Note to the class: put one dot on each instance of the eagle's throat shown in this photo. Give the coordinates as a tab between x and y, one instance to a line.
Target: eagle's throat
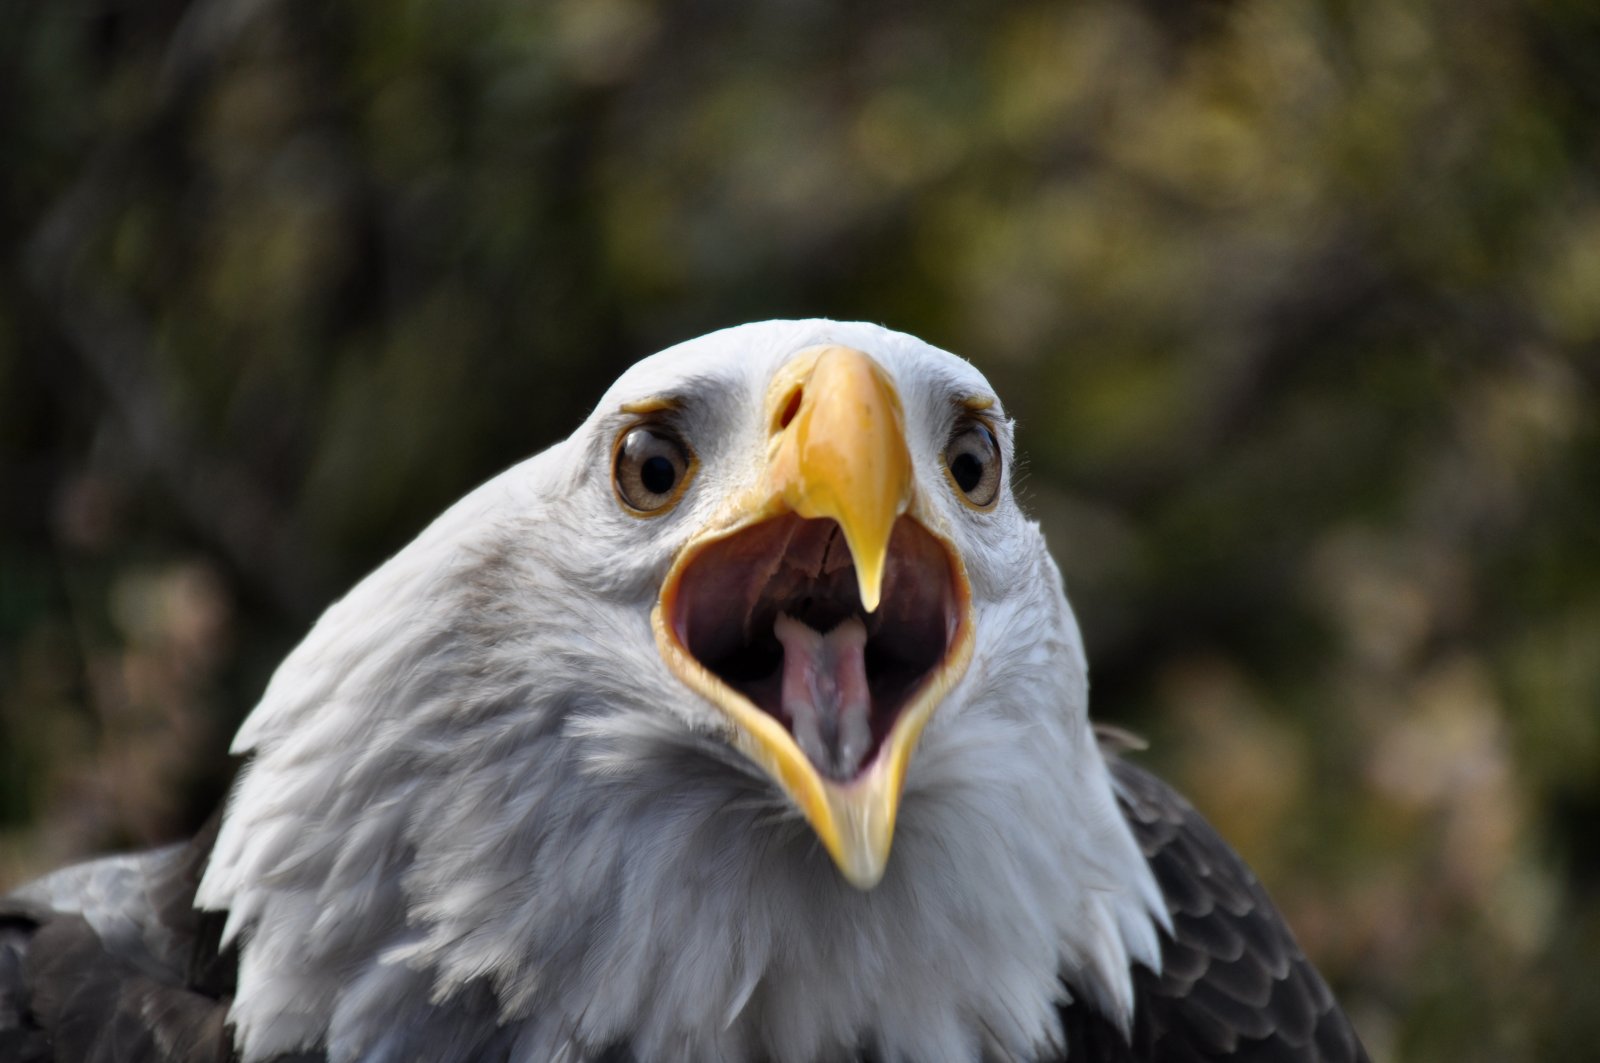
773	612
825	696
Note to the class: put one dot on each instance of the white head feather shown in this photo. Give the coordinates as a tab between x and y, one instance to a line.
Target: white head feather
482	818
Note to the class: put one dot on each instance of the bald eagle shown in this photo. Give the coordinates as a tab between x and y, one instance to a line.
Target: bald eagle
749	723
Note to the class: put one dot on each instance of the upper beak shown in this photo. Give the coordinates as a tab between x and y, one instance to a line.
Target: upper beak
843	453
837	450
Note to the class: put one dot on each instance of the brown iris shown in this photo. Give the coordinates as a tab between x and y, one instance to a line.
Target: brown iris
652	467
972	458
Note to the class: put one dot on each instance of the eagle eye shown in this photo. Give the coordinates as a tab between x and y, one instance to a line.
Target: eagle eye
973	460
651	468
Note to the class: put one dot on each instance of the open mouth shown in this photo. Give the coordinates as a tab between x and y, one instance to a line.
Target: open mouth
773	612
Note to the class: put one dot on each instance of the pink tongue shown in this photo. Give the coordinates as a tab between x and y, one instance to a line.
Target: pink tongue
825	693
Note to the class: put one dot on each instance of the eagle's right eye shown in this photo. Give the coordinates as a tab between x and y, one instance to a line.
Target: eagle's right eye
652	467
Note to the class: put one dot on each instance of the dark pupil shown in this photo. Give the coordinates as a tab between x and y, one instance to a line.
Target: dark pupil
657	474
967	470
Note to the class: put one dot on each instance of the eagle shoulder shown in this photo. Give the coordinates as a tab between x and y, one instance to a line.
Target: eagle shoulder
109	962
1234	984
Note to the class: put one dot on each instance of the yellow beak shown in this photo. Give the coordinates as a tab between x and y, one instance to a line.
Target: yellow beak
842	454
836	450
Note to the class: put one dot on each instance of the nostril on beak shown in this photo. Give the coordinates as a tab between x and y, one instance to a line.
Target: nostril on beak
791	406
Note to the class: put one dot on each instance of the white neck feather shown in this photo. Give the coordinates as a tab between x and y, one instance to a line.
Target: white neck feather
455	817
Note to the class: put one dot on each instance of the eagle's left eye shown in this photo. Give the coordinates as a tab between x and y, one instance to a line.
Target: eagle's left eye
652	467
973	459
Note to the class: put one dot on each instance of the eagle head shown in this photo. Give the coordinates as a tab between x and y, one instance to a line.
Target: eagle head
749	721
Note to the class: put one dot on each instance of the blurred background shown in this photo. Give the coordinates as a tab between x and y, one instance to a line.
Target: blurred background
1297	305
